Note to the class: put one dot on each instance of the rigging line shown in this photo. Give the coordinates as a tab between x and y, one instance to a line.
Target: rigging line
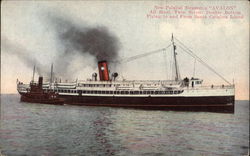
201	61
194	55
141	55
206	65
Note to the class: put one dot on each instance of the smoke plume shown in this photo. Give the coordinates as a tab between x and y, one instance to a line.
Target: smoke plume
79	48
23	54
97	41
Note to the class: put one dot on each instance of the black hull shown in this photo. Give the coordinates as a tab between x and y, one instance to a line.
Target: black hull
223	104
42	101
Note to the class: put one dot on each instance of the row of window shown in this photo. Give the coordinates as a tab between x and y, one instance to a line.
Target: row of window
108	85
117	92
95	85
198	82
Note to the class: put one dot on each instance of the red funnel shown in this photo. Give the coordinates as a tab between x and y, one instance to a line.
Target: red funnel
103	70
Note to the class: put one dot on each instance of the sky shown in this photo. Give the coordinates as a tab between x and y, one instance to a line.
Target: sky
33	33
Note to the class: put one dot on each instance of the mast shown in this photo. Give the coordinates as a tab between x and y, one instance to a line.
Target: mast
51	74
34	70
194	68
175	61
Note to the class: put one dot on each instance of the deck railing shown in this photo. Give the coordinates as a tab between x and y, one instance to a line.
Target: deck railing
210	87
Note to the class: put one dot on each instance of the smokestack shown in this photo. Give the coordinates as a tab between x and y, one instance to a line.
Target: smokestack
103	70
94	76
114	75
40	82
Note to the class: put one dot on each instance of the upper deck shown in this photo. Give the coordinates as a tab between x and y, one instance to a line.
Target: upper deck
134	88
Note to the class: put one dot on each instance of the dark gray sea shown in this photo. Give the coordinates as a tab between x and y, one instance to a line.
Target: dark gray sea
41	130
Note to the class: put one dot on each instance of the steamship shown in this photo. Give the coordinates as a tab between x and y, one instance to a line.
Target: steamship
188	94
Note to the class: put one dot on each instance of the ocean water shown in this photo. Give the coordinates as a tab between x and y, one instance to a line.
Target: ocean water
38	129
